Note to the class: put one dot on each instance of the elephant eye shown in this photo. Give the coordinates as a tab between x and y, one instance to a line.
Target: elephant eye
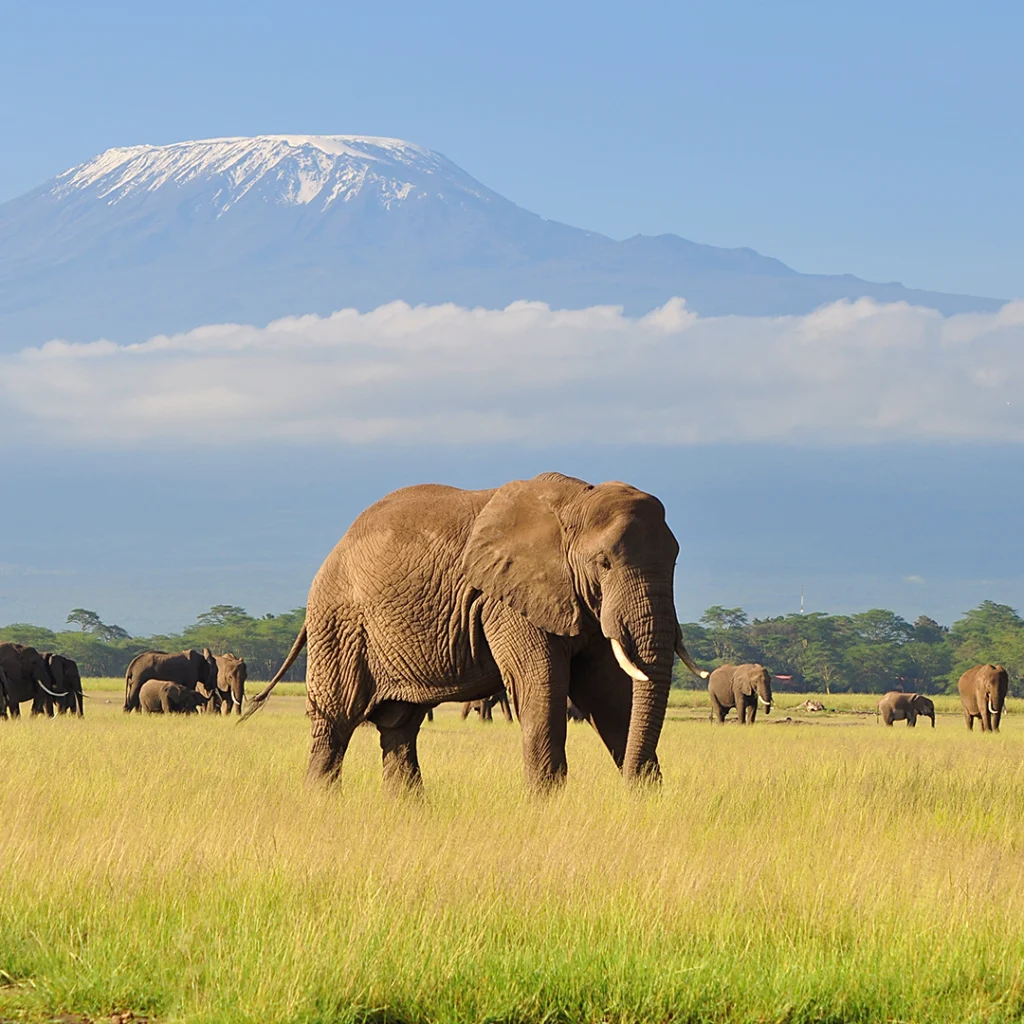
604	562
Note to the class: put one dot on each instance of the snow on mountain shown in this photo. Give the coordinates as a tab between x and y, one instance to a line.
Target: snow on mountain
289	169
144	240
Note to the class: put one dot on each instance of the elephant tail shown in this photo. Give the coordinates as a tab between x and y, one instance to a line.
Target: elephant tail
255	703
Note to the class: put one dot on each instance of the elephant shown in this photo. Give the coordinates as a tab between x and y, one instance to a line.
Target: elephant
28	678
550	587
161	696
896	706
740	687
187	668
231	676
484	706
983	694
573	713
66	677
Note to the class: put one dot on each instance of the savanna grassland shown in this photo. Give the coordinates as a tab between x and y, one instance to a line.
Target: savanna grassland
829	871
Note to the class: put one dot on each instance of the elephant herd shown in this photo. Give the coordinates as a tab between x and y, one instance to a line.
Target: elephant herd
155	682
51	681
185	683
982	692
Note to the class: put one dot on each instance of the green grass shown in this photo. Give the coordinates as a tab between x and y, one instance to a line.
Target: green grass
177	868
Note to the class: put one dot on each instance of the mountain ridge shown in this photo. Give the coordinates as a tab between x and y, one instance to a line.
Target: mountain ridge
142	240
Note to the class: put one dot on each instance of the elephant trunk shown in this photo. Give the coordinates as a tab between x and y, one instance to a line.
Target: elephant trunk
640	623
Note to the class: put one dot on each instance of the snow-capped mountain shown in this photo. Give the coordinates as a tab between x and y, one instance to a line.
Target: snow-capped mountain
149	239
293	170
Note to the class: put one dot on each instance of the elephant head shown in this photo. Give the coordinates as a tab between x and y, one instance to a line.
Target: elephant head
756	680
995	686
923	706
578	559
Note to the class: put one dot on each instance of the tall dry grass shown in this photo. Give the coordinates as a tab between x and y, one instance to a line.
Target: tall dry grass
785	872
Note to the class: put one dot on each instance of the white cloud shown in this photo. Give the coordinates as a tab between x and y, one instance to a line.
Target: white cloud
847	373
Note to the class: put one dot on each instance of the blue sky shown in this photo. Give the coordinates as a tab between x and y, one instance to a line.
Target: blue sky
880	139
876	139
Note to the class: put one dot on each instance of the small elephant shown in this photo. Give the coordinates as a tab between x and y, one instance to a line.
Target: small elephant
740	687
983	694
483	707
161	696
896	706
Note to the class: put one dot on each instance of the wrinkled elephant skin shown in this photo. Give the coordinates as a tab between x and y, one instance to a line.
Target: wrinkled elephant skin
550	587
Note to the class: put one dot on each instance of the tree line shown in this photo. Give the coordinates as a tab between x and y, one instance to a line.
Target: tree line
869	652
106	650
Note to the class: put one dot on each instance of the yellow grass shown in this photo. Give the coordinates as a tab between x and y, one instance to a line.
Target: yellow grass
837	871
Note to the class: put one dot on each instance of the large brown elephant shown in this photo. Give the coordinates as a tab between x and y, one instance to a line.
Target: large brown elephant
231	676
740	687
897	707
28	678
983	694
67	680
187	668
551	587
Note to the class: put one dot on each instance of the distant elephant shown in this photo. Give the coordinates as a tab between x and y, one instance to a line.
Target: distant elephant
28	678
231	676
740	687
896	706
161	696
983	694
67	679
484	706
573	713
188	668
551	587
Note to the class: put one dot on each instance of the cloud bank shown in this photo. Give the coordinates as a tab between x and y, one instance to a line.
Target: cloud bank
851	372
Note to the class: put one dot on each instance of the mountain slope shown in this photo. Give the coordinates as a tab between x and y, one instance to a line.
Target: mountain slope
151	239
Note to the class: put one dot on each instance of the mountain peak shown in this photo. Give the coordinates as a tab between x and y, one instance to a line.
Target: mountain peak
294	170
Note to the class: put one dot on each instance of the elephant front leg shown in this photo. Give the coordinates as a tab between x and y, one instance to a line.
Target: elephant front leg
399	724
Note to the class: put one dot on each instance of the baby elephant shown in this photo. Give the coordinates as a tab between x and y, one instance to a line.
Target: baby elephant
895	706
161	696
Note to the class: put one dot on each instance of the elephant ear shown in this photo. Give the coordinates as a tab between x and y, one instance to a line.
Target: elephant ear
517	552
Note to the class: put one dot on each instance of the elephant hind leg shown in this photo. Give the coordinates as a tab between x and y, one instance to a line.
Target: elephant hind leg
338	692
398	724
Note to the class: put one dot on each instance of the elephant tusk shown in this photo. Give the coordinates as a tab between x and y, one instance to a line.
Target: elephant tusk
684	657
626	665
50	692
766	703
991	710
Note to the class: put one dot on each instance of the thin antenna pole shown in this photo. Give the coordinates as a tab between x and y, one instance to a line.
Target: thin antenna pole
801	599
